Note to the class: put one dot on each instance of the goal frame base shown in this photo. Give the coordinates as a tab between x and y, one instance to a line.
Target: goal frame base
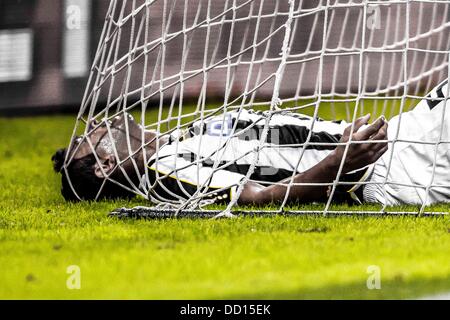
152	213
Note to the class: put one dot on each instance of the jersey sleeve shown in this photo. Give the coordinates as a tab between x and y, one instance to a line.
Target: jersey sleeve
180	176
437	95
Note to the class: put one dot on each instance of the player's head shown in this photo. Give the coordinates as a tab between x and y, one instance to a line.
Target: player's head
107	153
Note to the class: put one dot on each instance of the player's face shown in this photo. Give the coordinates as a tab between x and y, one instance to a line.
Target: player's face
124	137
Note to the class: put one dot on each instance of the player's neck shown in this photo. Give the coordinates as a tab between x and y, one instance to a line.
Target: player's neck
154	141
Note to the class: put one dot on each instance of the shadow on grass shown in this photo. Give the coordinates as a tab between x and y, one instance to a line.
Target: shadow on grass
397	288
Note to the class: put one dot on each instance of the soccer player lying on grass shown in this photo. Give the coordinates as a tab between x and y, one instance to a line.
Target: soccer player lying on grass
218	152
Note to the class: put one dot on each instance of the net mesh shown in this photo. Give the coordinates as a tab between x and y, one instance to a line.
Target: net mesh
174	63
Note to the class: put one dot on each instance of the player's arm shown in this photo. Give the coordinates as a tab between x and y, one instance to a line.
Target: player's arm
358	156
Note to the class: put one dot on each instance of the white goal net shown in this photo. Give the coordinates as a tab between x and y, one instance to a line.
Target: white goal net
193	69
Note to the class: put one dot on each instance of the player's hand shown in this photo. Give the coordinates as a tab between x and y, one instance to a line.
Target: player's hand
360	155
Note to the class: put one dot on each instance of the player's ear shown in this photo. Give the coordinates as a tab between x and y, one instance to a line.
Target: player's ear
106	165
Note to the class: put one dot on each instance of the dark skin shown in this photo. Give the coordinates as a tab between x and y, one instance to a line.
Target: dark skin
358	156
127	139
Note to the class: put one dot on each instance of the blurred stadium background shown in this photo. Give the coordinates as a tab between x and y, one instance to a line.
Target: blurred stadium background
46	54
44	62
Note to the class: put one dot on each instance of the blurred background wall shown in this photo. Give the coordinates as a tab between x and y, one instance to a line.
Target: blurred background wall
47	48
46	52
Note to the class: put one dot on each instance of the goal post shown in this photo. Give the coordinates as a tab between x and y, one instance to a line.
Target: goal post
177	64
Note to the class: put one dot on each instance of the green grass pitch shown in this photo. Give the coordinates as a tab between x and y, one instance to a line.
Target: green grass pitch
277	257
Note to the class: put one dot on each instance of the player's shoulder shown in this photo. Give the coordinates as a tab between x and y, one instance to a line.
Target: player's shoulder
437	95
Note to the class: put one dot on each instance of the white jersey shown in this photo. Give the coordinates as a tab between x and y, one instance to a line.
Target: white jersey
415	169
215	154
